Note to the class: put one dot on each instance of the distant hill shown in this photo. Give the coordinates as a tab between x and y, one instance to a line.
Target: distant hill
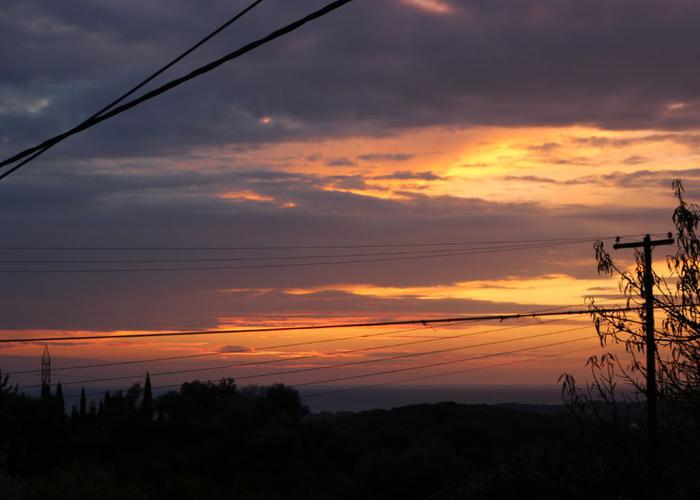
214	440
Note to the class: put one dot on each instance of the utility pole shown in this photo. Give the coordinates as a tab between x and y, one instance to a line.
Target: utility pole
648	290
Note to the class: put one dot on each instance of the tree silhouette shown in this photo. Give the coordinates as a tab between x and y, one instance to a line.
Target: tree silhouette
60	402
147	400
214	440
83	403
5	389
677	297
106	403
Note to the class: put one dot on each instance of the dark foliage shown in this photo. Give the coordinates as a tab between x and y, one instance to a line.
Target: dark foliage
214	440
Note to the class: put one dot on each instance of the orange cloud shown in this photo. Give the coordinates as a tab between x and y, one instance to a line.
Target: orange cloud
546	290
432	6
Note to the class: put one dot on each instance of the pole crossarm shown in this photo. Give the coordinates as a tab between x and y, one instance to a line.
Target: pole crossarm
641	244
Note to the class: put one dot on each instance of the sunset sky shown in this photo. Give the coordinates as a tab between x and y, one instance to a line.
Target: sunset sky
385	122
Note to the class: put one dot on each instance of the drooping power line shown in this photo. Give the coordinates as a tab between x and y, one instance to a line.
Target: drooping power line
171	85
279	257
37	151
445	374
421	256
440	363
217	353
409	368
287	345
430	365
282	346
426	321
336	353
313	247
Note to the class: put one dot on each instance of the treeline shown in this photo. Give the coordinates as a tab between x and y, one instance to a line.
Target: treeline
216	440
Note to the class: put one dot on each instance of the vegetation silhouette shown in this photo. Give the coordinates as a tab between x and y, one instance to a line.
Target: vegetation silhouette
677	337
216	440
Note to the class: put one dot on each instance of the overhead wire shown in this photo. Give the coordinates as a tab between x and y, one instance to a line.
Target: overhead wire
215	353
442	374
282	265
425	321
337	365
279	346
170	85
264	348
275	257
316	247
371	257
341	379
441	363
36	151
310	356
408	355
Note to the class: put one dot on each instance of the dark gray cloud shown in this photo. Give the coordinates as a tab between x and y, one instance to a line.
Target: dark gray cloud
637	179
547	147
371	68
233	348
685	139
382	157
403	175
635	160
537	179
340	162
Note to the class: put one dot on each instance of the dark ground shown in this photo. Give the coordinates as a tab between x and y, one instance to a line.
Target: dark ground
217	441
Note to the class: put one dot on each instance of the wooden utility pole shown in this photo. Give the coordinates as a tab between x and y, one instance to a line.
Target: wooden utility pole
648	289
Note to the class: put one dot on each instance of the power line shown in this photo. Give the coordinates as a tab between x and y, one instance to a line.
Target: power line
173	83
309	356
444	374
441	363
408	355
279	346
411	368
312	247
267	258
330	367
418	367
340	379
392	256
215	353
428	321
38	151
261	348
284	265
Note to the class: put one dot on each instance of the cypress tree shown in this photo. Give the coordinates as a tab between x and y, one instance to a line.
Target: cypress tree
147	401
60	402
107	406
83	403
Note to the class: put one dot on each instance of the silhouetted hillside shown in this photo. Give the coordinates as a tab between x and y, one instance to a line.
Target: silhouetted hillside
218	441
